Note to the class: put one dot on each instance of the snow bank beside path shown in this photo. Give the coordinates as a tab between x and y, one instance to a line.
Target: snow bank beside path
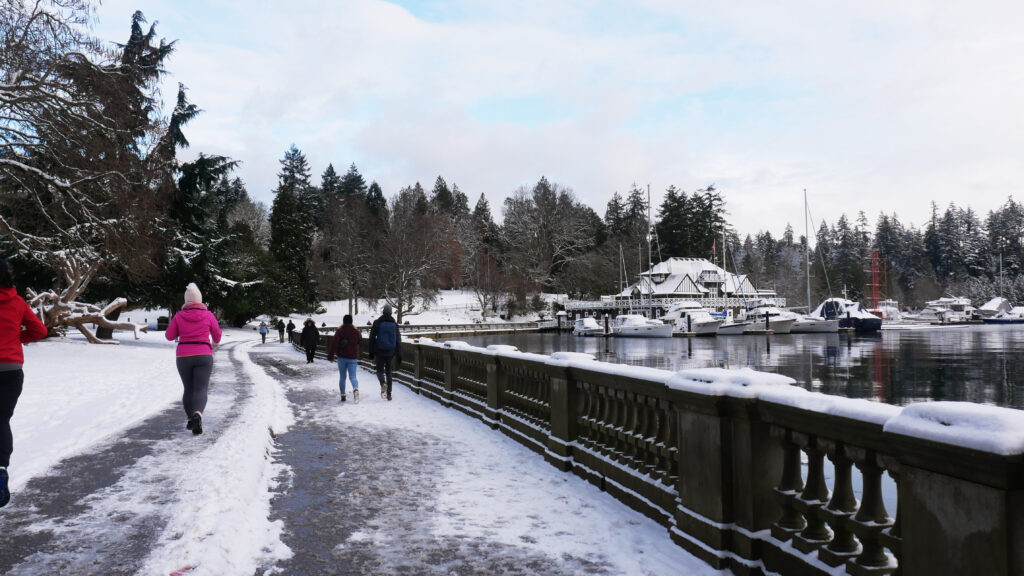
496	489
77	394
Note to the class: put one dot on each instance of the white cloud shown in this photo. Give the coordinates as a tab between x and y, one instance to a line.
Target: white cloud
870	106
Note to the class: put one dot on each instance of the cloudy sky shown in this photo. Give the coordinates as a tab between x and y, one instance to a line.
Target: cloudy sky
871	105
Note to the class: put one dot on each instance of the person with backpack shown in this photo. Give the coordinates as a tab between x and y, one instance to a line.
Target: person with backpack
345	346
263	331
280	329
385	346
18	325
195	326
309	339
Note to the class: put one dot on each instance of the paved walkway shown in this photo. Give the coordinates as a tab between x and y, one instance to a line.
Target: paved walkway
375	488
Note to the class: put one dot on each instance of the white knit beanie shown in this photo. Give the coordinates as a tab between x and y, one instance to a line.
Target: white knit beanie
192	293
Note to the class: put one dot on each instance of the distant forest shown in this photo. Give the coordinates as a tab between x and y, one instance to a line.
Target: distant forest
95	204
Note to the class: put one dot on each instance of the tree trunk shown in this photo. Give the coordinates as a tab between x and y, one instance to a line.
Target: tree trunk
105	333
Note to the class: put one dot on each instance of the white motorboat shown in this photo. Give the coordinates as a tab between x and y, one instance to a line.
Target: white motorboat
733	328
764	315
587	327
945	310
805	324
689	317
637	326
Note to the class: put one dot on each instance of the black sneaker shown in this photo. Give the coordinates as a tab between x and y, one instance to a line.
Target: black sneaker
190	423
5	490
342	398
196	420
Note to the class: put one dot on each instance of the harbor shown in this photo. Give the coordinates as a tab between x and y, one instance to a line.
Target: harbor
973	363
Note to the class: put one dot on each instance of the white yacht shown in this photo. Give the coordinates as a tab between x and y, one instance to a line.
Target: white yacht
637	326
689	317
587	327
945	310
778	321
806	324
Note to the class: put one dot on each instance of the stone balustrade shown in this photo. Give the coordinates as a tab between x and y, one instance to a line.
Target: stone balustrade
750	473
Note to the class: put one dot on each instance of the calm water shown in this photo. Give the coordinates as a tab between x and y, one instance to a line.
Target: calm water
981	364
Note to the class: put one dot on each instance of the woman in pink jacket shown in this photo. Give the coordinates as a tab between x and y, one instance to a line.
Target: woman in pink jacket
194	325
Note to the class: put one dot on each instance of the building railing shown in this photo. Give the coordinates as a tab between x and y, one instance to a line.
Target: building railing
750	473
666	303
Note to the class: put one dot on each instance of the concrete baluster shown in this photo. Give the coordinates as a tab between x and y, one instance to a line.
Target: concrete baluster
812	499
790	485
841	507
870	519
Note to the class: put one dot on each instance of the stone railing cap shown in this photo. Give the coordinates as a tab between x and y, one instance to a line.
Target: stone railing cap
975	426
736	383
566	359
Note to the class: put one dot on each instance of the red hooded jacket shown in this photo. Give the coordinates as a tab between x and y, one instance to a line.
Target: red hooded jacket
15	314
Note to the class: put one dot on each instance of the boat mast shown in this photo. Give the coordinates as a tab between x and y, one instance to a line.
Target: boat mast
807	253
650	265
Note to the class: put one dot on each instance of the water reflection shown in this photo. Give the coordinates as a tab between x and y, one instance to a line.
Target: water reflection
975	364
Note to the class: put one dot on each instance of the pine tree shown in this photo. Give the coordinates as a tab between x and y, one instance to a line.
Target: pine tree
330	183
441	199
353	184
375	202
291	234
613	215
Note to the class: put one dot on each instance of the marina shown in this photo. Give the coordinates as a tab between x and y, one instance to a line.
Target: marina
972	363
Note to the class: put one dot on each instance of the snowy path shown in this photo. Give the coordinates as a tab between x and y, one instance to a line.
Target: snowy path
150	500
402	487
410	487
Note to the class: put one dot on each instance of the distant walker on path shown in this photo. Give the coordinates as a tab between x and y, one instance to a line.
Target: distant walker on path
18	325
280	329
309	339
385	346
195	325
345	345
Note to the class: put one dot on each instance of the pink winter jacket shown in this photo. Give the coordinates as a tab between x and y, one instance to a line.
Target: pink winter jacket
193	324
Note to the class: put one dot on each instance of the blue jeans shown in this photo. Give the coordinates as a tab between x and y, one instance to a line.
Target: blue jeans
347	365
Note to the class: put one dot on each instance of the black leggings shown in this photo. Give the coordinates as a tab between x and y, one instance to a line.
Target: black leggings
10	390
383	365
195	376
310	352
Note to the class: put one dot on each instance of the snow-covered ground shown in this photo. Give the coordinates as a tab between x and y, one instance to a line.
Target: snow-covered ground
213	494
451	307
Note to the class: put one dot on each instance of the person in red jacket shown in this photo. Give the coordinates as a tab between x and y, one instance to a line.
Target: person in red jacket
194	325
18	325
345	346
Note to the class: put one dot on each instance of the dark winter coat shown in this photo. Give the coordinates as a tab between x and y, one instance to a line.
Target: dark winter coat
280	325
351	338
310	337
385	337
291	327
15	313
